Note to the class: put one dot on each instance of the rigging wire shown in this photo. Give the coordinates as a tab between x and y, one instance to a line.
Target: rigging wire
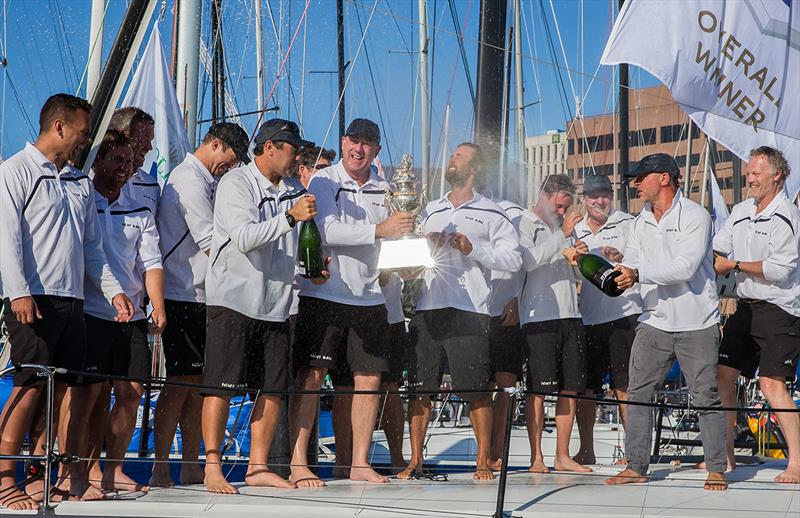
278	37
92	49
60	18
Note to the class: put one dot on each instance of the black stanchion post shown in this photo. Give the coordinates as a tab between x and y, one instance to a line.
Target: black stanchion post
658	424
144	435
501	487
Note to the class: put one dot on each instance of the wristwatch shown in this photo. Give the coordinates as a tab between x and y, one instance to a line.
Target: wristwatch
290	219
736	267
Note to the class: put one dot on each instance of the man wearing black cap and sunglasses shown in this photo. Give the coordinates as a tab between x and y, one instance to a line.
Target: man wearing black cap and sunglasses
185	224
352	219
249	292
668	251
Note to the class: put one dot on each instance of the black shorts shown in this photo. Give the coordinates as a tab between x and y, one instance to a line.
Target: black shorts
117	349
455	338
184	338
608	348
321	326
506	346
58	339
761	335
556	355
245	355
342	375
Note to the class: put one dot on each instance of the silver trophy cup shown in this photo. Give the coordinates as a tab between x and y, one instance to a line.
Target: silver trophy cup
410	250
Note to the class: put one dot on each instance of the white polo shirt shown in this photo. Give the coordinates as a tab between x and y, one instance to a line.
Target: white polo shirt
185	224
346	217
464	281
253	251
144	188
506	285
130	241
548	288
49	236
597	307
769	236
393	293
676	268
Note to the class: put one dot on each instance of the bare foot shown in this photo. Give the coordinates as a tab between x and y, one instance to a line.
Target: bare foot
626	477
215	483
621	462
538	466
790	476
567	464
191	474
341	472
116	480
398	465
411	471
90	493
367	474
496	465
303	477
263	477
702	465
15	500
35	489
585	457
160	476
715	482
483	474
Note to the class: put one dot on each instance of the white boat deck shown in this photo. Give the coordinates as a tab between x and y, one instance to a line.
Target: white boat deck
674	492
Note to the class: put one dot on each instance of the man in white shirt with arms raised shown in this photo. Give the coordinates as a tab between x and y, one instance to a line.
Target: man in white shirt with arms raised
759	243
668	251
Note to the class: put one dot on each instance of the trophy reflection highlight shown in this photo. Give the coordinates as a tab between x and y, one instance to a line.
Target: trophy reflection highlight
410	250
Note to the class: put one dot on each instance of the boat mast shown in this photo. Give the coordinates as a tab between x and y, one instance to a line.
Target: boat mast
217	64
340	45
188	63
491	49
424	91
444	149
624	164
95	48
259	57
501	177
522	168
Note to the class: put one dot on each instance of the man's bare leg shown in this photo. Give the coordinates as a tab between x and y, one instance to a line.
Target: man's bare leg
726	386
774	390
98	430
419	415
302	412
480	413
392	424
622	395
262	429
122	421
534	419
191	471
343	432
364	414
500	416
565	416
15	420
215	417
78	406
585	413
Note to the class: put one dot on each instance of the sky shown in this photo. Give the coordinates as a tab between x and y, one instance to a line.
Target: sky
46	44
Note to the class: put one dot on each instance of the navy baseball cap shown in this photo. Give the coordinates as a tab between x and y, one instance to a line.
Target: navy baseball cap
655	163
596	183
281	130
365	129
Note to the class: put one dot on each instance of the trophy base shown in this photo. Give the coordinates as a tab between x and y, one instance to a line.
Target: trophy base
405	253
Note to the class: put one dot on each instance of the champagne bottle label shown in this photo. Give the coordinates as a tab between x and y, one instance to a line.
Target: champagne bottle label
604	277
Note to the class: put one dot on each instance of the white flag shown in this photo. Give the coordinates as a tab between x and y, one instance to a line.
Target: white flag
151	90
732	65
719	210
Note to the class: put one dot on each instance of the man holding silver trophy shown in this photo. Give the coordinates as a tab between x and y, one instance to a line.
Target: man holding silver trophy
470	235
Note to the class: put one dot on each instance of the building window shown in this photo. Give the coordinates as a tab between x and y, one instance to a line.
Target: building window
676	132
571	146
643	137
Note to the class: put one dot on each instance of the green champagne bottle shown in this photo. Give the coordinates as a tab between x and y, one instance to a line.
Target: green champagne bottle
309	251
599	272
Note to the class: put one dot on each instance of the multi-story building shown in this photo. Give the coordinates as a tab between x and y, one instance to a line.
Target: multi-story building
544	155
656	125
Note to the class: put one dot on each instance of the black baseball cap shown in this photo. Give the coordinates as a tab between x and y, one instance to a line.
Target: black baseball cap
364	129
596	183
655	163
281	130
234	136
